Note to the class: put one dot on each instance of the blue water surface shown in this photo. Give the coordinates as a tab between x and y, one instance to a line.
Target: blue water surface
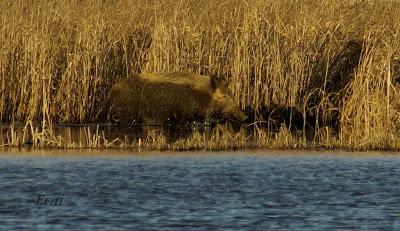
200	191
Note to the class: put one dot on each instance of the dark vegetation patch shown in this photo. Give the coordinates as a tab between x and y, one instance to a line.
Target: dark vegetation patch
322	98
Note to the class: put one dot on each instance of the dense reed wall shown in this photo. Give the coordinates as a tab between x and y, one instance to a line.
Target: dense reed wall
58	59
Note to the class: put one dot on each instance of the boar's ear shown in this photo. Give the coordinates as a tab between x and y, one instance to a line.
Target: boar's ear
218	83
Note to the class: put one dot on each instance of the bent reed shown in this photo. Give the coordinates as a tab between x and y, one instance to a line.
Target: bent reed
59	59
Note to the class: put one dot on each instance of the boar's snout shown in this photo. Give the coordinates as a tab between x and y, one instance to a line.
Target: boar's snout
239	115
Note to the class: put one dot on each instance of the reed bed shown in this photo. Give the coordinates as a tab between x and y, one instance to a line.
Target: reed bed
59	59
222	137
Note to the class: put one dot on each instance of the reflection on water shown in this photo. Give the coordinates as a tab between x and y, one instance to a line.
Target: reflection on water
199	192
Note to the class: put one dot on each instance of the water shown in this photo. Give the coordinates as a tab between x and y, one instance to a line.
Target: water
199	191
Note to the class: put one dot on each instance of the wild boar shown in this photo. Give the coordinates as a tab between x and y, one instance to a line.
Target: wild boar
157	98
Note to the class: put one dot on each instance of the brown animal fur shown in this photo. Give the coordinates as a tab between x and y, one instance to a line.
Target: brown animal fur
154	98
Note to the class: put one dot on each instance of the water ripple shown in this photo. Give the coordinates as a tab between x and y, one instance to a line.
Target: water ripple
196	193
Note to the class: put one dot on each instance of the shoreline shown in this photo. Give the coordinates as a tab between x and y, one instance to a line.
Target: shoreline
219	138
258	153
115	151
